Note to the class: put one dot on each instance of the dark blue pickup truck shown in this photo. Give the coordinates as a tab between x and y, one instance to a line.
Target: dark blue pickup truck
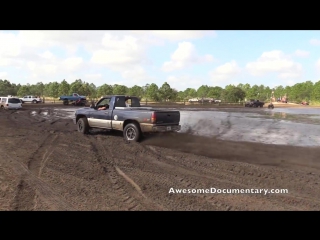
124	113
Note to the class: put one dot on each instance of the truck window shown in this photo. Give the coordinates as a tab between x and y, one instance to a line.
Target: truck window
104	102
132	101
135	102
120	102
129	102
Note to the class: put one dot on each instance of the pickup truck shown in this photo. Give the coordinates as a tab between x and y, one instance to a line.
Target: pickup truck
254	103
124	113
30	99
72	98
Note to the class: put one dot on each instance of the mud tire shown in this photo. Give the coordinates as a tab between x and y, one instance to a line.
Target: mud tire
131	132
83	126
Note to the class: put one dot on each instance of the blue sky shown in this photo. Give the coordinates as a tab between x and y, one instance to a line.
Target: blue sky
181	58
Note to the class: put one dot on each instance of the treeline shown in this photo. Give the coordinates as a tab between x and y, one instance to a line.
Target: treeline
305	91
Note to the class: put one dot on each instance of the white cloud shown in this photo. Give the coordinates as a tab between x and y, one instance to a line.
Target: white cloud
185	56
179	35
315	42
4	61
31	65
124	54
225	72
93	76
301	53
287	82
275	62
48	68
159	37
46	55
40	70
3	75
116	52
73	63
183	82
53	55
10	45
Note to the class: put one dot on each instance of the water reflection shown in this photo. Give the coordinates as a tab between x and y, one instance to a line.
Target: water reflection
279	114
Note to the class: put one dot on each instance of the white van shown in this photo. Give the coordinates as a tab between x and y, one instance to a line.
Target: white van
10	103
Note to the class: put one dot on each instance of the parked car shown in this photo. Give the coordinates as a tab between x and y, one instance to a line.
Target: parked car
254	103
30	99
10	103
193	100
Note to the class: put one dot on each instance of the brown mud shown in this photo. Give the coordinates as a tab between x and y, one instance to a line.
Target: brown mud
46	164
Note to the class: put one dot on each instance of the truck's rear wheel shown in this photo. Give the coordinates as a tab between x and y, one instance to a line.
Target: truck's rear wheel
131	132
83	125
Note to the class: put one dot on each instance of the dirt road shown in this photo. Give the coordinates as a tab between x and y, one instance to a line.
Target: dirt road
46	164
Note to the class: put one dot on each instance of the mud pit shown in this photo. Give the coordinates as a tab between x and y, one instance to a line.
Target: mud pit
47	165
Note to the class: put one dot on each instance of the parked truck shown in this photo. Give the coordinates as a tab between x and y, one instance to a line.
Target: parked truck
124	113
73	98
254	103
30	99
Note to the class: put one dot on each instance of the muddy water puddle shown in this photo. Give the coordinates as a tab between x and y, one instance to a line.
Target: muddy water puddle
266	126
298	127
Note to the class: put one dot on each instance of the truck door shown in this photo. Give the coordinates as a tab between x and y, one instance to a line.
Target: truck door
101	118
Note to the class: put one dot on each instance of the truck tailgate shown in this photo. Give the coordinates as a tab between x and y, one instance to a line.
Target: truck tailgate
167	117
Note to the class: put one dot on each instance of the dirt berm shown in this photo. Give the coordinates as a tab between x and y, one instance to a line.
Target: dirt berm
47	165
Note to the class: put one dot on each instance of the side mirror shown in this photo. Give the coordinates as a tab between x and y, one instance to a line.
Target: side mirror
92	105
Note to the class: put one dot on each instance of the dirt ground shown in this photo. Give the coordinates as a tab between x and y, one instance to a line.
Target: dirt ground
45	164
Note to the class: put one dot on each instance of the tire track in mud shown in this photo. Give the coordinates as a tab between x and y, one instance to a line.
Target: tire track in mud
40	156
166	174
35	165
27	116
133	198
187	178
240	177
31	189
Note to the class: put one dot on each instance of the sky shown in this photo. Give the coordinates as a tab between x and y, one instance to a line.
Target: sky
184	59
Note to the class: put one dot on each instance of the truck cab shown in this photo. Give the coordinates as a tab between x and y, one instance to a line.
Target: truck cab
112	102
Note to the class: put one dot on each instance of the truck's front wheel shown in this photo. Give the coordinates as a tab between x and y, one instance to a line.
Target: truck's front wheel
83	125
131	132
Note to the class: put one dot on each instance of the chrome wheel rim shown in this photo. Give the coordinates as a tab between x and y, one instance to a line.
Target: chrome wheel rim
130	133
